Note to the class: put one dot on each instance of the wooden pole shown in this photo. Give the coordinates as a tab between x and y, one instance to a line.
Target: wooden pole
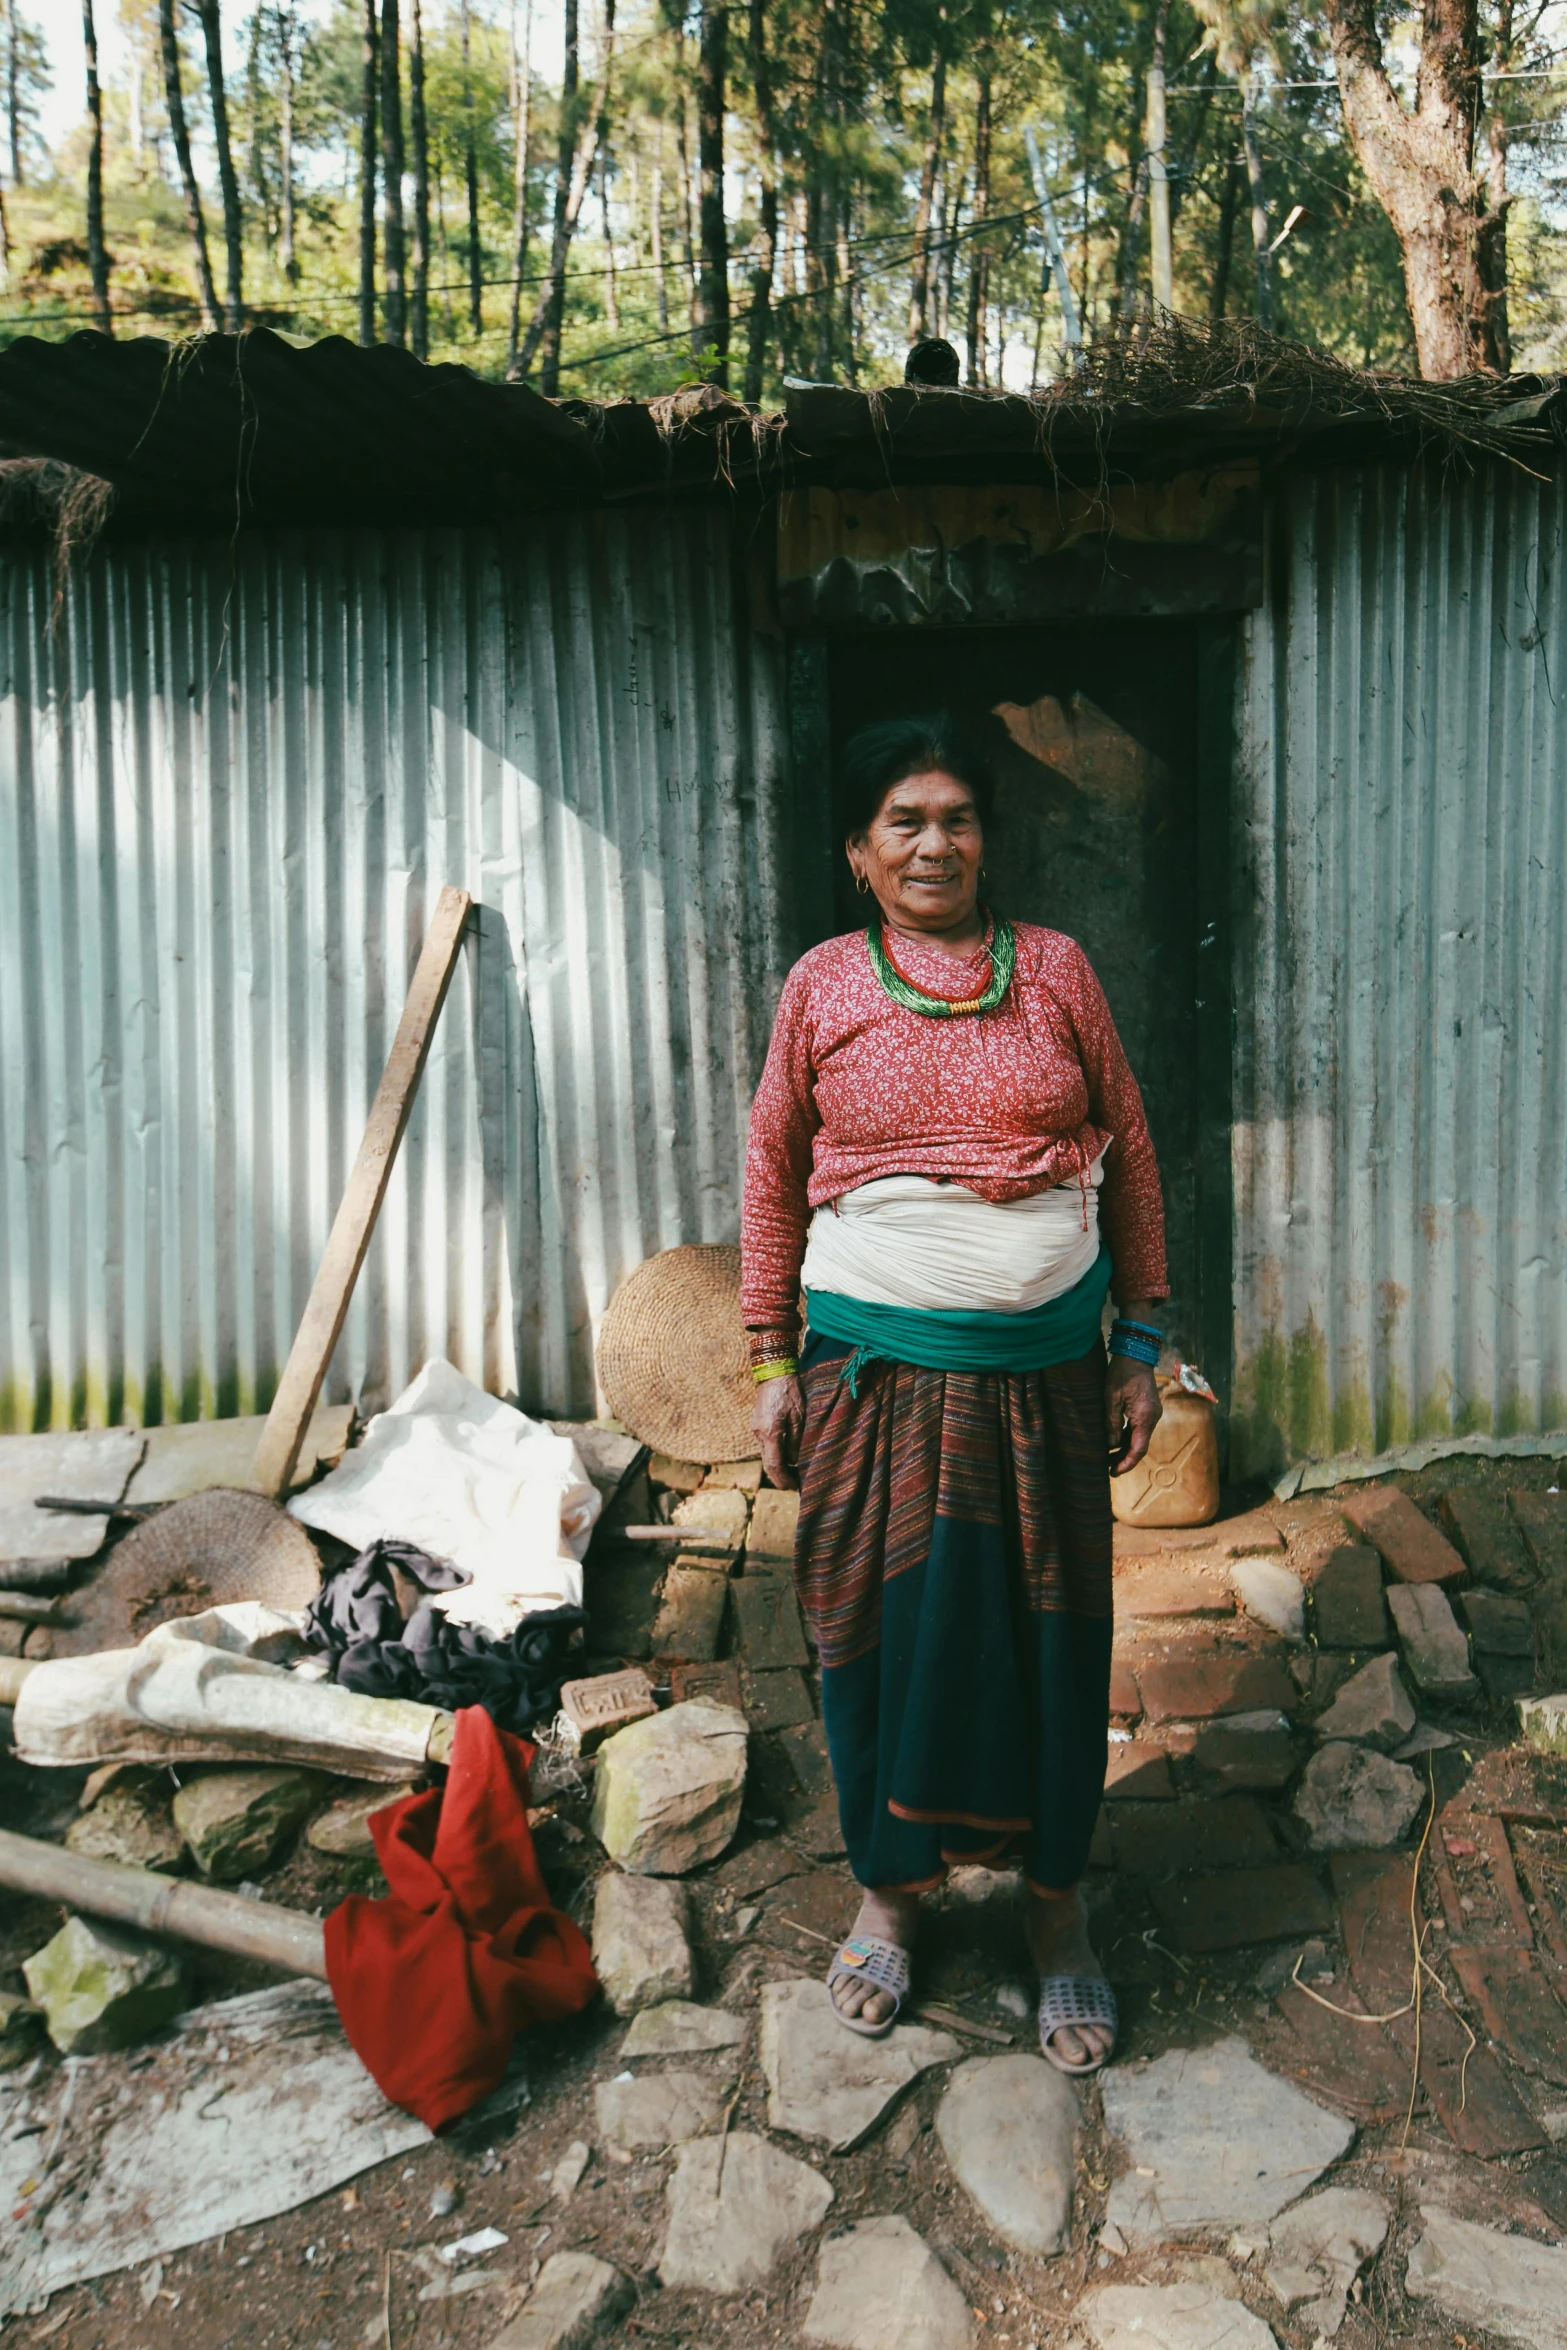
322	1325
164	1905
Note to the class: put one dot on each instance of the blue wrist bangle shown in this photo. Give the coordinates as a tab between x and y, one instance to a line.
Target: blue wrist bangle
1146	1328
1136	1342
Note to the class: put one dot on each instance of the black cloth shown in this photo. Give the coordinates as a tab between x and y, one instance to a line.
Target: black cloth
357	1620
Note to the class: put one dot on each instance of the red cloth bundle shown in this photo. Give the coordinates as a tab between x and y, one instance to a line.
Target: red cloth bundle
434	1983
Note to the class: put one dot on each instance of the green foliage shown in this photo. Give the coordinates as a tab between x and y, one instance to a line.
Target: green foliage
844	143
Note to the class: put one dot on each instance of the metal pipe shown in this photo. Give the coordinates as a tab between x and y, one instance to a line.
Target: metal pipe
156	1904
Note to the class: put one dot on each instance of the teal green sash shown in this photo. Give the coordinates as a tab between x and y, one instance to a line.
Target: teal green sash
1060	1331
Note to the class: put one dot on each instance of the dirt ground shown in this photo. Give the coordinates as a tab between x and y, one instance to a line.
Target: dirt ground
357	2266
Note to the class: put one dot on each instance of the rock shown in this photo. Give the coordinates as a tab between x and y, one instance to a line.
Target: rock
1498	1626
1318	2248
21	2022
1347	1607
880	2287
1484	1531
1221	2142
1504	2284
1271	1595
727	2230
767	1619
675	1476
744	1476
1542	1723
130	1822
640	1951
594	1710
1413	1548
566	2177
1193	2315
668	1791
344	1828
1353	1799
1435	1650
718	1683
715	1509
102	1988
691	1613
1372	1709
1006	2125
1246	1750
657	2110
575	2298
775	1518
677	2029
1542	1520
237	1822
829	2084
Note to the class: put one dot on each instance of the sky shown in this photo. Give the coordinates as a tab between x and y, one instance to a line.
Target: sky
61	24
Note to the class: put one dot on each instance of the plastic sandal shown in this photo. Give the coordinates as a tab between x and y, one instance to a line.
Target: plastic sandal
1065	2001
884	1965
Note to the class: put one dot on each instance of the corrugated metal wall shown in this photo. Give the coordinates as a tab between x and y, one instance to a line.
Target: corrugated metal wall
1400	1099
231	781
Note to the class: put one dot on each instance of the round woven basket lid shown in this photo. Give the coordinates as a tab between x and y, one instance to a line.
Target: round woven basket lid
205	1551
672	1356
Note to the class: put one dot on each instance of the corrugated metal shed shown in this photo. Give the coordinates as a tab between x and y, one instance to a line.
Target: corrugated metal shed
235	775
1400	1099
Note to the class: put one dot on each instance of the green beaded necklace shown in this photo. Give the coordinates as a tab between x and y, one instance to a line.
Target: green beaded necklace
1003	958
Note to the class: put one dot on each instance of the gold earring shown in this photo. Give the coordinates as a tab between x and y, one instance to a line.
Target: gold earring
862	885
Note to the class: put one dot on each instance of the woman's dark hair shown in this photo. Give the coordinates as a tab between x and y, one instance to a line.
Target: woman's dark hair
878	757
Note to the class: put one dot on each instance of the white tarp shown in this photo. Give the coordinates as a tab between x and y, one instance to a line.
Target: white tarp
246	2109
472	1480
204	1689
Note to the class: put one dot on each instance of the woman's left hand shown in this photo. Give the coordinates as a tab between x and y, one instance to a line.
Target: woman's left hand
1131	1404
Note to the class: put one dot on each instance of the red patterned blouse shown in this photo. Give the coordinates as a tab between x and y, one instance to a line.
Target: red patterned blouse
1008	1102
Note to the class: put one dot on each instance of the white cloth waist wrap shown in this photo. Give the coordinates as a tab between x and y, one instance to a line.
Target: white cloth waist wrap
907	1240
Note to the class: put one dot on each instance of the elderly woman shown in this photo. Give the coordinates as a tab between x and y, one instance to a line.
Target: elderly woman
949	1167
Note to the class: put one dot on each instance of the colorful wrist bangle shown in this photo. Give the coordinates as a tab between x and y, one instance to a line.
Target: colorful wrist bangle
1134	1347
786	1368
1146	1328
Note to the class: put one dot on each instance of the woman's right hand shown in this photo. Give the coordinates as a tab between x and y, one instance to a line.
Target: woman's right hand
779	1422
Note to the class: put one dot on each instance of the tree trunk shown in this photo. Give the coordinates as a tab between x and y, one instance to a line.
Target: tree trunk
174	100
5	243
1229	205
573	176
919	284
1259	213
656	237
419	131
611	296
393	305
13	95
1492	240
367	84
136	100
97	254
710	328
1421	165
233	238
979	259
522	122
286	142
687	231
471	174
760	329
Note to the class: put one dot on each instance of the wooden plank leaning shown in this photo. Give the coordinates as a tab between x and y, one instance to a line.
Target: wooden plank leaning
165	1905
324	1315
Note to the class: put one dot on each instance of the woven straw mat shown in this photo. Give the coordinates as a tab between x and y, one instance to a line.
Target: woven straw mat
672	1356
199	1553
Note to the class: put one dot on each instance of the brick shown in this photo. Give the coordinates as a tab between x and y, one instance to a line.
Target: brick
806	1748
720	1683
691	1615
1498	1626
717	1509
1126	1704
1414	1549
767	1620
1172	1591
594	1709
1225	1538
1233	1752
744	1476
777	1701
1165	1840
1195	1690
1347	1607
774	1517
1138	1772
1349	2064
1436	1653
675	1476
1483	1529
1542	1520
1234	1907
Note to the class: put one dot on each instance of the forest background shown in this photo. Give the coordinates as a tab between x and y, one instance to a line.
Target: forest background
617	196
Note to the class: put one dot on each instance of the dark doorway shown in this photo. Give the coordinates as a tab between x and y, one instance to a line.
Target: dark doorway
1094	734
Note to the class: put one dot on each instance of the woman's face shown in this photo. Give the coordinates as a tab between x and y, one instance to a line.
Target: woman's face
921	853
